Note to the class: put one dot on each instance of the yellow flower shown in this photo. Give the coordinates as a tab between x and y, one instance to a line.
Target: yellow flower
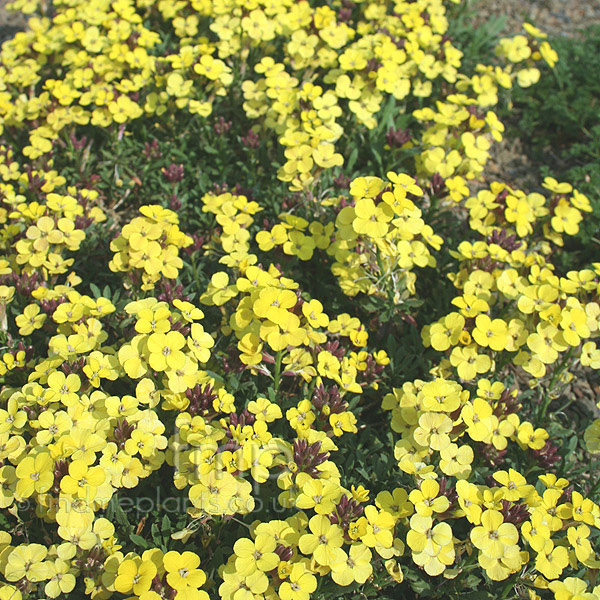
313	311
433	431
124	109
267	240
61	581
200	342
583	508
566	218
492	333
395	503
299	585
35	475
379	527
273	304
493	535
342	422
371	220
535	439
325	156
27	561
82	480
257	555
30	320
355	567
135	575
299	245
219	291
320	495
428	541
153	320
469	363
578	538
552	560
182	570
536	531
63	388
165	351
570	588
456	460
323	542
426	500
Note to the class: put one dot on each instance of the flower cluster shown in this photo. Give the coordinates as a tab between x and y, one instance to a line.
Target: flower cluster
512	300
380	237
148	246
212	218
442	431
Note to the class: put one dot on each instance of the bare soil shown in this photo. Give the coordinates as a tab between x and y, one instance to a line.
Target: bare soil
563	18
556	18
10	22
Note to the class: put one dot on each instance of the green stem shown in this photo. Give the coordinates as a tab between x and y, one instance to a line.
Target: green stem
566	405
507	589
433	205
195	271
547	400
558	371
277	377
596	485
242	523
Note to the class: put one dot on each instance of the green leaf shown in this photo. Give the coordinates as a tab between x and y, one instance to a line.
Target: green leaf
155	534
165	526
377	157
352	160
215	376
386	120
115	512
138	540
363	473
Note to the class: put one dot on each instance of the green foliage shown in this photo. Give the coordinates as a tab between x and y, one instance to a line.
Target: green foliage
559	122
260	315
477	43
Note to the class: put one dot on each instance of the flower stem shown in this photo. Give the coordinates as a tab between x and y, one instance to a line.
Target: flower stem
277	377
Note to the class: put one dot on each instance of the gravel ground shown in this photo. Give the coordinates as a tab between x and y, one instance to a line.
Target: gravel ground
10	23
554	17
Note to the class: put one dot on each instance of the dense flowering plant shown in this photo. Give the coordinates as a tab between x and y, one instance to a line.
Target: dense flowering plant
267	330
